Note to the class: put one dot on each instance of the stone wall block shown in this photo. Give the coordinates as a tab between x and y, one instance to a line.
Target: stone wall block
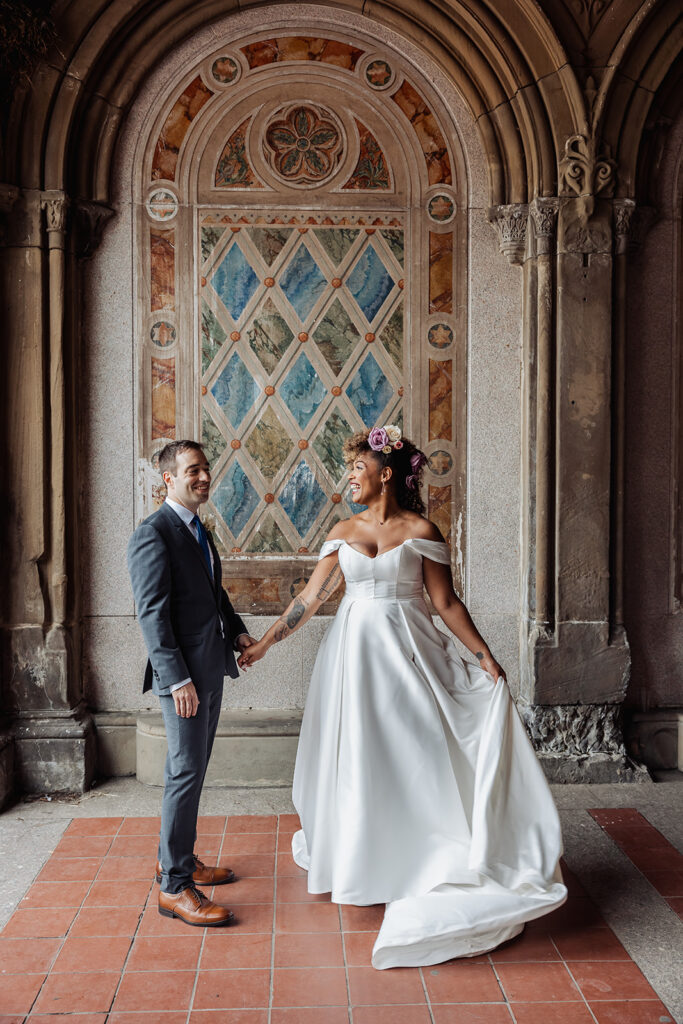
581	663
55	754
7	781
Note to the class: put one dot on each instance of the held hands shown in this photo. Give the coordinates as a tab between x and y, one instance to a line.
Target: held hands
252	653
186	701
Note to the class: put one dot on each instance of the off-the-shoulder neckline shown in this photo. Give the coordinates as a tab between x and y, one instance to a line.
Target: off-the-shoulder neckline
388	551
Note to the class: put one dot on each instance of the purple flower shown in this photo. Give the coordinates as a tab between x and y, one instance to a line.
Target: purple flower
411	482
378	439
417	461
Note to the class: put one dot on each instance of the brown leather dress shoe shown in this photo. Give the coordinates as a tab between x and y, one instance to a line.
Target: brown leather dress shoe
203	875
192	907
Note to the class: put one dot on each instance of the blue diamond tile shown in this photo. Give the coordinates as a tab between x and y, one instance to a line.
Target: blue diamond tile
235	281
302	391
369	391
235	390
302	282
302	498
235	499
369	283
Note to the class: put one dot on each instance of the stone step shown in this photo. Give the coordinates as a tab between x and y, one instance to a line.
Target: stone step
252	748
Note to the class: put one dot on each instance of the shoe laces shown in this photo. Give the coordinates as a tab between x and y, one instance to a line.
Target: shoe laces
199	896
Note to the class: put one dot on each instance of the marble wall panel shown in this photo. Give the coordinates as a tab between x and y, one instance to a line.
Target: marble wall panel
372	169
162	257
440	399
183	112
440	272
429	134
439	509
233	169
163	398
286	48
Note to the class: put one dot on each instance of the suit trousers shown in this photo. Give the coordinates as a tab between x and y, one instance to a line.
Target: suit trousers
189	748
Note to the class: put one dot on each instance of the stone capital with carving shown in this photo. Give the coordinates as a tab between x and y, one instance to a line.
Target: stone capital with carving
544	216
56	206
510	221
624	210
90	220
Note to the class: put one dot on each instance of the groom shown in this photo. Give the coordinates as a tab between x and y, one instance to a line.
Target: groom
191	632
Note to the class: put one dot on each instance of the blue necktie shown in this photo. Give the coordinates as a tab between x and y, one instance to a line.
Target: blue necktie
203	542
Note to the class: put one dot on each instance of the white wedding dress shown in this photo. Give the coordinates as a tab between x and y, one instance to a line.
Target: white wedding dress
415	781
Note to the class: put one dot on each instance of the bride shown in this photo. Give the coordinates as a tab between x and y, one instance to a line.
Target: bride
415	781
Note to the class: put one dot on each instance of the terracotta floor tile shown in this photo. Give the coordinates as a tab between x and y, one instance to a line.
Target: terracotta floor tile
617	816
228	948
309	986
656	860
528	947
232	989
81	954
393	1014
155	990
459	982
77	993
527	983
552	1013
634	836
114	894
148	954
66	1018
93	827
38	924
307	917
591	944
251	823
315	1015
70	869
317	949
295	890
248	842
153	923
472	1013
83	846
127	869
119	921
646	1011
289	823
18	991
246	890
249	865
362	919
135	846
170	1017
286	867
667	883
27	956
574	914
211	824
227	1017
141	827
611	981
254	917
207	848
54	894
15	1018
371	987
676	904
358	948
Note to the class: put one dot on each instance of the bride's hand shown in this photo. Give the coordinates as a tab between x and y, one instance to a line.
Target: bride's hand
252	654
490	665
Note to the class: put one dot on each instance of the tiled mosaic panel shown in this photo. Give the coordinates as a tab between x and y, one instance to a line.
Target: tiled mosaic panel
301	344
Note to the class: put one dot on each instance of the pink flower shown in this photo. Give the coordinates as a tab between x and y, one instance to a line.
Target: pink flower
411	482
378	439
417	461
398	444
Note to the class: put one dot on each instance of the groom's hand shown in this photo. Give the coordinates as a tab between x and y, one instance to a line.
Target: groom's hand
243	641
186	701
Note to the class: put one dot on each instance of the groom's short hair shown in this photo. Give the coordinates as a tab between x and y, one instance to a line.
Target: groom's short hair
169	453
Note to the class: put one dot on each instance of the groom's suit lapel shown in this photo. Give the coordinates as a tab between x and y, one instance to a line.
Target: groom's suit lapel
194	546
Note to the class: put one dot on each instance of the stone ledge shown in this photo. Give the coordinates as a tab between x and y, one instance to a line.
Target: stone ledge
656	738
252	749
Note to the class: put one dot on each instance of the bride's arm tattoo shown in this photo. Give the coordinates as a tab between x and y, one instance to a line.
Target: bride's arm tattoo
290	619
330	583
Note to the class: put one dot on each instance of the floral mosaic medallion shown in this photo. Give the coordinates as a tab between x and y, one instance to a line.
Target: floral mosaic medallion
225	70
440	462
304	144
162	205
379	74
440	335
441	209
162	333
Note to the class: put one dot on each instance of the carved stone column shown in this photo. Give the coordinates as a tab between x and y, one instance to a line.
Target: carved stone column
510	222
575	673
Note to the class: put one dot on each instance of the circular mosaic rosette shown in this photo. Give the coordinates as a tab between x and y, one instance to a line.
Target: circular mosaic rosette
225	70
379	74
304	144
162	204
441	208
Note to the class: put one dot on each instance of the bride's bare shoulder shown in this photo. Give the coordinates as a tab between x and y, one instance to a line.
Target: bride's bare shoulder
339	531
424	529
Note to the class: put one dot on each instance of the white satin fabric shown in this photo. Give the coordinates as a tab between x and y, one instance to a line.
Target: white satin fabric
415	781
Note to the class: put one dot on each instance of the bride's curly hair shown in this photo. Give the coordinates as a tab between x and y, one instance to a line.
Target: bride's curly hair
407	477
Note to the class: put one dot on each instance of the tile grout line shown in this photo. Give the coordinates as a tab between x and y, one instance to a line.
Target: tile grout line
271	992
349	1008
426	995
506	1001
566	965
204	930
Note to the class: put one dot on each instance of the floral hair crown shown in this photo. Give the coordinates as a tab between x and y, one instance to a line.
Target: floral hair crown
385	439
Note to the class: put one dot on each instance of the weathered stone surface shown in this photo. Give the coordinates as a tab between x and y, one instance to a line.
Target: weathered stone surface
582	662
7	782
55	754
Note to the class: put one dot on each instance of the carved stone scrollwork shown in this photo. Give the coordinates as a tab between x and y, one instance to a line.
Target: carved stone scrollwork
583	172
91	220
510	222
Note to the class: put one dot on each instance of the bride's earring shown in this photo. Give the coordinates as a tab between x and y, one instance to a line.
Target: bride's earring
384	487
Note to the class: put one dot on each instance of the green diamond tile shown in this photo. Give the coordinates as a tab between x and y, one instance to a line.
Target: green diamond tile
394	240
336	336
391	336
211	236
269	444
336	241
269	241
269	336
213	337
212	439
329	442
268	537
